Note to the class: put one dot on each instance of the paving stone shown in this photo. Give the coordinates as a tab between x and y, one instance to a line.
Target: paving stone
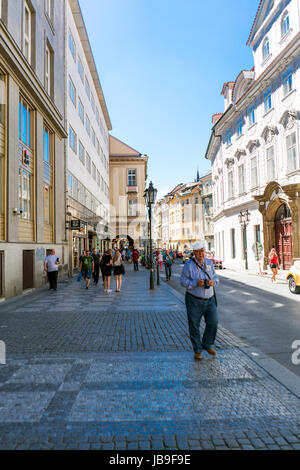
247	447
232	443
157	445
258	443
108	446
296	446
144	445
207	445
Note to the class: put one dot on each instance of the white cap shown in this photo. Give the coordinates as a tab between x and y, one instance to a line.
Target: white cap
199	246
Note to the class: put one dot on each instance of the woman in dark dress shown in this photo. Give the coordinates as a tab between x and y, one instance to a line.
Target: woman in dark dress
106	270
118	270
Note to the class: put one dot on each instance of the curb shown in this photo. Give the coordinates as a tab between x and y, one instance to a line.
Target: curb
276	370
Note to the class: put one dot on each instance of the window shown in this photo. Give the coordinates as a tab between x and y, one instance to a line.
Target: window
27	32
98	147
93	137
80	70
131	177
233	248
132	208
49	9
291	149
81	153
88	163
241	179
239	127
230	185
87	88
93	102
94	171
24	122
72	45
25	193
87	125
268	100
98	178
287	82
285	24
48	175
254	173
270	164
257	233
46	145
266	49
251	116
72	92
72	139
228	137
48	62
81	110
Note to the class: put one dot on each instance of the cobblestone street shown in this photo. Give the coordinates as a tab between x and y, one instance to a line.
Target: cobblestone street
88	370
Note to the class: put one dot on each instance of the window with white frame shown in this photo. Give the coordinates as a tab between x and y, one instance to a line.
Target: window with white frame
254	173
285	23
93	137
98	178
291	149
72	45
94	174
239	127
87	88
80	69
251	116
228	137
93	102
87	125
266	49
268	100
270	164
88	163
27	32
287	82
48	70
49	9
81	152
72	139
230	185
132	208
241	171
80	110
131	177
72	91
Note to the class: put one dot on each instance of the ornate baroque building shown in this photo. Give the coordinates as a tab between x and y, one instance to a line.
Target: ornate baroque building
254	146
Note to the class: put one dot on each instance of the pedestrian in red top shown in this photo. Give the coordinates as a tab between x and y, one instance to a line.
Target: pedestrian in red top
135	259
273	260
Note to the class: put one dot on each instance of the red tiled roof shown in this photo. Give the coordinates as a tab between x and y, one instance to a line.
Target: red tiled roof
254	23
227	84
217	116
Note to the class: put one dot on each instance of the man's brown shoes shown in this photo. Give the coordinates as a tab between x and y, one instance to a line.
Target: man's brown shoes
211	351
198	356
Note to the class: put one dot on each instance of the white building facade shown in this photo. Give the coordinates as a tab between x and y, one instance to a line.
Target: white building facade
254	146
87	154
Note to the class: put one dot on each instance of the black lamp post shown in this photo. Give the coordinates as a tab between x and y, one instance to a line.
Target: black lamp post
244	218
150	196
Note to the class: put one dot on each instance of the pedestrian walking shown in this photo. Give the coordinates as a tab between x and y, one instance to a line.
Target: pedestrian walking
87	268
199	279
118	270
273	260
107	269
129	255
135	259
51	263
160	260
168	262
97	258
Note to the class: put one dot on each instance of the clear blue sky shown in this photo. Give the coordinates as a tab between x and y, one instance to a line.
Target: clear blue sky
162	64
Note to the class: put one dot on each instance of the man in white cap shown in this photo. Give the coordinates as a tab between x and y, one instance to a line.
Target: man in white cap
199	279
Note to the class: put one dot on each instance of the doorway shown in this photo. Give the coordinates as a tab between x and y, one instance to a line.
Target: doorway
28	259
284	236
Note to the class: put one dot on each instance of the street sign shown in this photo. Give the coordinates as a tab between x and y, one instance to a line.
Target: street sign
258	249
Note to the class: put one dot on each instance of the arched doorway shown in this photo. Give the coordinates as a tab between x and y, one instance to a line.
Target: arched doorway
284	236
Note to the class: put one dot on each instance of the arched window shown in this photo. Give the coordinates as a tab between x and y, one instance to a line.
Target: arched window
266	48
285	23
283	213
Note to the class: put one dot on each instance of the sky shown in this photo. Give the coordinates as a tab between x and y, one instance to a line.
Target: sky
162	65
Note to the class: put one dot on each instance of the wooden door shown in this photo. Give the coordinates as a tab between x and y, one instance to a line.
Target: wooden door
284	243
28	258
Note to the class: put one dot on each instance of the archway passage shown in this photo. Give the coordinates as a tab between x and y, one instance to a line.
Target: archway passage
284	236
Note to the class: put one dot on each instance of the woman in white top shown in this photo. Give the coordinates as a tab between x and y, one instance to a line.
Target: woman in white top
118	269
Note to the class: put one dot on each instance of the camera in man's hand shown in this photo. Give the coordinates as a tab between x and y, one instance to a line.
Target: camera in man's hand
206	284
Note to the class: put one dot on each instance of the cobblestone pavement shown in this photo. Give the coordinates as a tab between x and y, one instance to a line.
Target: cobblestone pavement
88	370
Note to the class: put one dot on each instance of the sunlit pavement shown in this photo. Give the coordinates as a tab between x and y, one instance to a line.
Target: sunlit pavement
90	370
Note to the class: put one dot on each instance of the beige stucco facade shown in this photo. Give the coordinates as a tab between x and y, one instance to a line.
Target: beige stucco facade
128	175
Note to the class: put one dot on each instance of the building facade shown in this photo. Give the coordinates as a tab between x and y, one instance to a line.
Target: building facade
87	150
254	146
128	176
32	133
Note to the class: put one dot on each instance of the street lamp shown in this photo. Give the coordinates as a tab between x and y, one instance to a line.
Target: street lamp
244	219
150	196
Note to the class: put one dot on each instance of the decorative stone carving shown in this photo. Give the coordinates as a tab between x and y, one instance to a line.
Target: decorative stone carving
289	118
253	145
229	162
220	170
269	133
239	153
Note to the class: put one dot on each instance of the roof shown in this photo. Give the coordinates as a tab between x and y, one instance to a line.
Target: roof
117	148
227	85
255	20
82	31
